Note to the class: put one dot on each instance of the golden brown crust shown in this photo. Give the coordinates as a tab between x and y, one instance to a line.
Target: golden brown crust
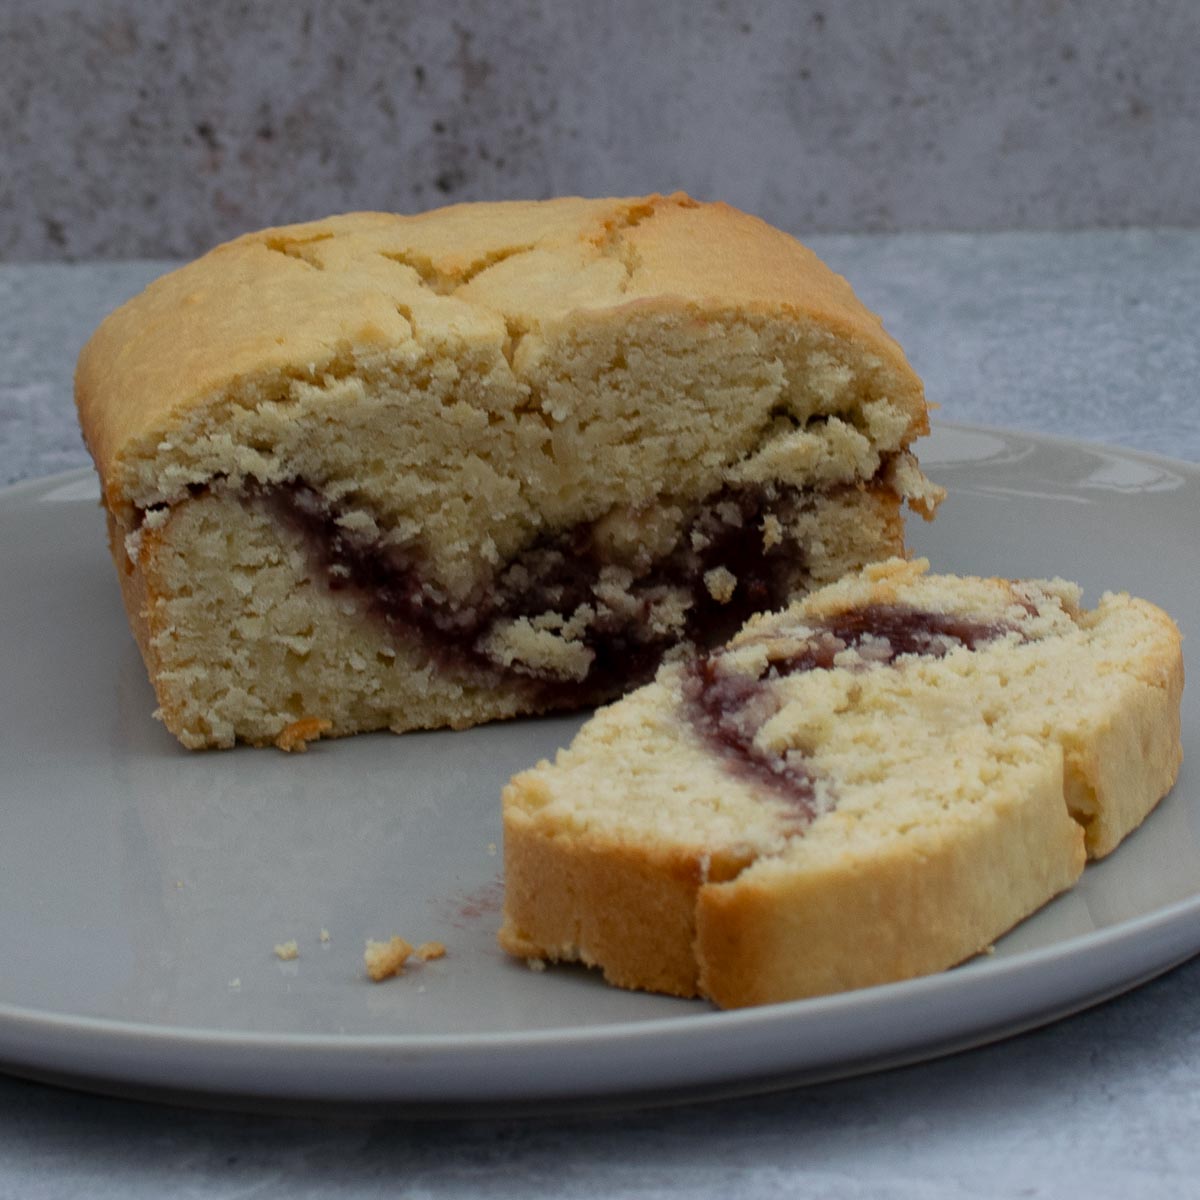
631	911
631	914
931	902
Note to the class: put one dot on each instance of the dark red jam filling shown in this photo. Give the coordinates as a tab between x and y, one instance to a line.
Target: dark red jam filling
728	708
558	573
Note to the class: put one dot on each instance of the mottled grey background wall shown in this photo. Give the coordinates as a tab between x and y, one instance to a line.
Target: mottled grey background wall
159	127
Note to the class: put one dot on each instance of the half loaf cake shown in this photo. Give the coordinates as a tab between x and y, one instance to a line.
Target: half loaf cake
396	472
874	784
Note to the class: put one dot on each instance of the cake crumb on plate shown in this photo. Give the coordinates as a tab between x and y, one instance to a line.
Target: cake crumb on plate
385	959
294	738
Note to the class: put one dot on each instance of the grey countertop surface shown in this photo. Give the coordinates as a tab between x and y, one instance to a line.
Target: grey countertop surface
1090	335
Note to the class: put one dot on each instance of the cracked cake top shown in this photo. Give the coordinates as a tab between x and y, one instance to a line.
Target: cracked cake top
489	282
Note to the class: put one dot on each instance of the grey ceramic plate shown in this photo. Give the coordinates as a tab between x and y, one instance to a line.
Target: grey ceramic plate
143	888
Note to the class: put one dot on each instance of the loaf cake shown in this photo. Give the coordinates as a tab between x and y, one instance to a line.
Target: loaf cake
874	784
384	471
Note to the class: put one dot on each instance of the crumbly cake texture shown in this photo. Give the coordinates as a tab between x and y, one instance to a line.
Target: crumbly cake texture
874	784
385	471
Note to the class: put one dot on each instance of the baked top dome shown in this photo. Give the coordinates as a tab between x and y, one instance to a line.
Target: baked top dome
302	304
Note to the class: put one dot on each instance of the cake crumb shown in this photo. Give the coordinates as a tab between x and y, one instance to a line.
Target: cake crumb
491	848
721	583
385	959
296	736
427	951
324	936
536	964
235	984
287	951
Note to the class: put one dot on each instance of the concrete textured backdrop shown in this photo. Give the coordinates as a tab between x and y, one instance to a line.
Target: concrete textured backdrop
159	127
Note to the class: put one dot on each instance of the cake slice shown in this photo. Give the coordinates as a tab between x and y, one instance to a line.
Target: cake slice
397	472
874	784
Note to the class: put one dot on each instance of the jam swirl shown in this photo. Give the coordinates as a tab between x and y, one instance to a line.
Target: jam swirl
559	573
728	708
